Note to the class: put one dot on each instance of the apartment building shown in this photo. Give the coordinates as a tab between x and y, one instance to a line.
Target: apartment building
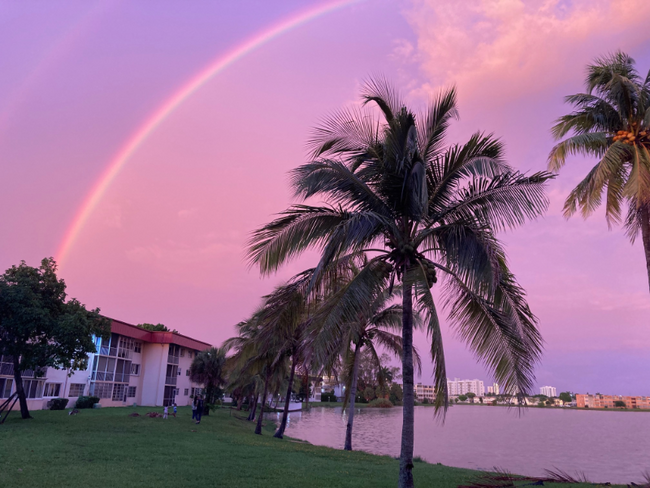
425	391
132	366
608	401
494	389
549	391
463	387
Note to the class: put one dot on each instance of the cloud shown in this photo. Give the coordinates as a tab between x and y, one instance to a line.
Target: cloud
509	48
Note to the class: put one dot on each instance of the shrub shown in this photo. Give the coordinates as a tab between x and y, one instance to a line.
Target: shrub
380	403
86	401
425	401
328	397
58	403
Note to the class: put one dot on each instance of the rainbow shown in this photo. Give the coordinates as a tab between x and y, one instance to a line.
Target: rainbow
172	103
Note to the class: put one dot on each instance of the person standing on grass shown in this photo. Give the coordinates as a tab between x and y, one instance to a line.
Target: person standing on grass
199	410
194	408
165	412
175	410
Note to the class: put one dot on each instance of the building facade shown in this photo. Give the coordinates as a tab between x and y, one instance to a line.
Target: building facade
132	366
549	391
463	387
425	392
609	401
494	389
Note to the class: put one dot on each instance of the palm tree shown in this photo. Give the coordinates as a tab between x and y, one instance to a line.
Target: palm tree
207	368
391	188
255	355
371	328
611	121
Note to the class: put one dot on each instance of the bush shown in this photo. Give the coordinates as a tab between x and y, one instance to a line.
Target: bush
380	403
58	403
425	401
327	397
86	401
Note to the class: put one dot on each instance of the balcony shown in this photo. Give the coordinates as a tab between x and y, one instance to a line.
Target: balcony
171	380
124	353
122	377
172	359
102	376
108	351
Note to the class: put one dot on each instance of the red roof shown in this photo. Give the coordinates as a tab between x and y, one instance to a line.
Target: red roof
128	330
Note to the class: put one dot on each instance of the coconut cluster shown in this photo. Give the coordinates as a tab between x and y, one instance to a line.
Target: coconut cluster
629	137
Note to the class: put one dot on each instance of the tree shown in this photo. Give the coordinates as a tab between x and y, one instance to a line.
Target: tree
396	394
619	403
39	329
157	328
255	356
393	189
359	339
566	397
207	369
462	398
471	396
611	122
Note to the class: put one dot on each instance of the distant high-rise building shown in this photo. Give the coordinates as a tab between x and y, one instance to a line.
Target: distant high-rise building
549	391
462	387
494	389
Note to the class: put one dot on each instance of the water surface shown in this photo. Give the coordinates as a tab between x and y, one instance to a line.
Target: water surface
605	446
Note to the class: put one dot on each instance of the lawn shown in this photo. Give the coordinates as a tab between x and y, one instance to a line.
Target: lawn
107	448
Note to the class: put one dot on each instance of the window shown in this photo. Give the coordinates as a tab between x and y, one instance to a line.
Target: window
33	388
177	392
52	389
131	392
179	371
196	391
119	392
187	372
5	387
76	389
135	369
186	391
182	352
101	390
137	347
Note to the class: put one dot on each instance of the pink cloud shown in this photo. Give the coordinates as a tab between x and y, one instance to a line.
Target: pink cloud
512	47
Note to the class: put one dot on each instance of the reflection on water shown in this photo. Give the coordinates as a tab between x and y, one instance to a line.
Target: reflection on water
605	446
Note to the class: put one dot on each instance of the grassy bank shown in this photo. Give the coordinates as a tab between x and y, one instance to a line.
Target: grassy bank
108	448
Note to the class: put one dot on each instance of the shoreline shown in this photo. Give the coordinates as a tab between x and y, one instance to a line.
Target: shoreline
366	405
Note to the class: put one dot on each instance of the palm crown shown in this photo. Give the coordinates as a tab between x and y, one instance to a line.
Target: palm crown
611	121
391	188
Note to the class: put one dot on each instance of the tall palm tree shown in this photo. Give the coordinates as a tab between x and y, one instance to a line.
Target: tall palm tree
611	121
392	188
207	368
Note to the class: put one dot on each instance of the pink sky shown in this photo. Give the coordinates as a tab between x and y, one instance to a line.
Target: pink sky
166	241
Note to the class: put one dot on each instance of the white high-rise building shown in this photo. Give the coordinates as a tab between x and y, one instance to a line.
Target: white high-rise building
494	389
462	387
549	391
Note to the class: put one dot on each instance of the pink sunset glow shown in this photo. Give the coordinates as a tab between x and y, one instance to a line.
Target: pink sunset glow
141	148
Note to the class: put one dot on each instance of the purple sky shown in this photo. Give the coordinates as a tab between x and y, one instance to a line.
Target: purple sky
166	243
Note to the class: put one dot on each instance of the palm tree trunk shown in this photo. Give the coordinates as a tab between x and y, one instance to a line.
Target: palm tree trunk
645	234
253	408
408	419
283	424
353	396
22	399
258	427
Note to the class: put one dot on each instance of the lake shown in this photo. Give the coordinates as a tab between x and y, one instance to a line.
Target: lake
605	446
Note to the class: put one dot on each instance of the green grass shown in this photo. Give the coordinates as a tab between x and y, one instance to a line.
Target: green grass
107	448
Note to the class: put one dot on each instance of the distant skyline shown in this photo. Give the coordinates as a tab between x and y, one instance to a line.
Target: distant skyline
165	242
